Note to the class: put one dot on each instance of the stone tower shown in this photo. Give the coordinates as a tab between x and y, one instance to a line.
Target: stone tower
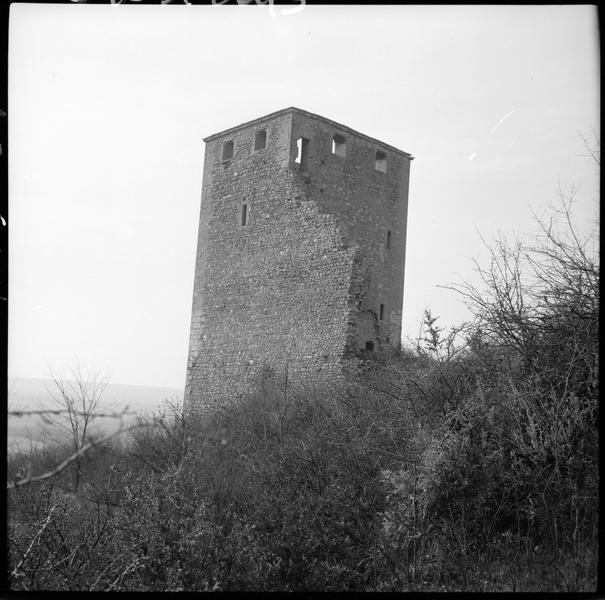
301	252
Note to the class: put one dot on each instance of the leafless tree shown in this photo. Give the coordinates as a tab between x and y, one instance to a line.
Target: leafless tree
78	400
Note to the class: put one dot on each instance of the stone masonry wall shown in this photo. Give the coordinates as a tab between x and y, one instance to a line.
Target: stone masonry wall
367	204
299	286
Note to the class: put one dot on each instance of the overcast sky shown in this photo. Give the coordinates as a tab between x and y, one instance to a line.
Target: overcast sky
108	106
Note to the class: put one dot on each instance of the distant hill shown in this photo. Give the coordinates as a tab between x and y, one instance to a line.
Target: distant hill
33	394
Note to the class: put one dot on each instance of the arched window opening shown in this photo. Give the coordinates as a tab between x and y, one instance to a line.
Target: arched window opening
302	152
260	139
228	150
339	146
381	162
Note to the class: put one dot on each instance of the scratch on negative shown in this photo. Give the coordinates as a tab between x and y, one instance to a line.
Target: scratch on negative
502	121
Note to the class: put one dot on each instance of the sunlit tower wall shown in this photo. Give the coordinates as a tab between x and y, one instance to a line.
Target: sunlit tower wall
300	257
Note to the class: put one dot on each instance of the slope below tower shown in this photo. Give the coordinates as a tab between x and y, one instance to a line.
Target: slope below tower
301	253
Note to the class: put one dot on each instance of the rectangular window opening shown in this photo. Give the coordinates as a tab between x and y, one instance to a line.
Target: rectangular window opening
339	146
260	139
302	152
381	317
381	162
228	150
244	215
388	240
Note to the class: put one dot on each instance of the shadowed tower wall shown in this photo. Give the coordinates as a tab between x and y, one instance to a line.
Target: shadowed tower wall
301	253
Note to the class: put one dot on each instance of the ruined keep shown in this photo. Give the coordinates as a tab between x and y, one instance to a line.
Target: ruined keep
301	252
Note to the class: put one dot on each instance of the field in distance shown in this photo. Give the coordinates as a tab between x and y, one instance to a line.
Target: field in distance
35	394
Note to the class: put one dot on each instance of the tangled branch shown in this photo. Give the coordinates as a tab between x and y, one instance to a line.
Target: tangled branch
76	455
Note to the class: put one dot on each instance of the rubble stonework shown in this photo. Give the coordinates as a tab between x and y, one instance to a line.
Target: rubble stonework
294	255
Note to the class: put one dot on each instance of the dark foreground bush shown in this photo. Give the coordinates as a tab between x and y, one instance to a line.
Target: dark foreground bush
469	463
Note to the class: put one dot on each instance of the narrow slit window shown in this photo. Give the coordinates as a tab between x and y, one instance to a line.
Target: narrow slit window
388	240
302	152
381	313
370	346
339	146
228	150
260	139
244	215
381	162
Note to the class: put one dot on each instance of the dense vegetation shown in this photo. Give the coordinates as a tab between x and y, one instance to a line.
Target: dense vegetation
467	463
